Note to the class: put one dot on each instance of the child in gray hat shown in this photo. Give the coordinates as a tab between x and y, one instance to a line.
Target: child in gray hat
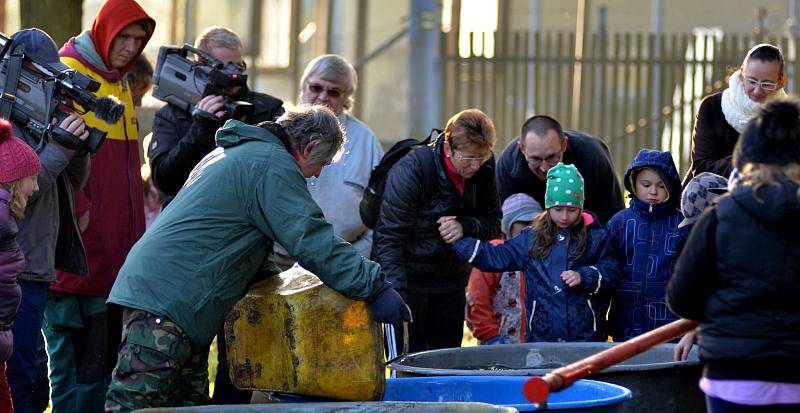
698	194
495	310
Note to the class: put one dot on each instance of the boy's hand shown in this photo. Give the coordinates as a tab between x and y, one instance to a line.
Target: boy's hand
571	278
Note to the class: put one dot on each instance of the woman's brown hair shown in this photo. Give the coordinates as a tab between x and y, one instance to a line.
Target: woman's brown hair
470	127
759	175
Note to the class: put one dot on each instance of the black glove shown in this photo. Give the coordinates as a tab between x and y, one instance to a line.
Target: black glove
388	307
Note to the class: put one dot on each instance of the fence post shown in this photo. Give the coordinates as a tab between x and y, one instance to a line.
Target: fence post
424	68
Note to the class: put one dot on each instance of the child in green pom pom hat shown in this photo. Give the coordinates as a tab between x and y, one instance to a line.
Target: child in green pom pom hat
569	275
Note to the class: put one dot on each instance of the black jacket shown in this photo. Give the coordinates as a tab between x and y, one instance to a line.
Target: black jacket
739	275
593	160
406	239
180	142
713	140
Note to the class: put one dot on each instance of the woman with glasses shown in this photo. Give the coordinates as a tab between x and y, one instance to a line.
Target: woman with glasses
723	115
433	196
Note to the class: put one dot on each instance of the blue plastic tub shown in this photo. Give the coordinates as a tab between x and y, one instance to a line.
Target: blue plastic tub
583	396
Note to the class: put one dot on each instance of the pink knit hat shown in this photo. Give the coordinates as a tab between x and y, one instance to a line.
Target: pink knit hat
17	159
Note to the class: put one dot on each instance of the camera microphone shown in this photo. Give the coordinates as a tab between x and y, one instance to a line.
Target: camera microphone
109	109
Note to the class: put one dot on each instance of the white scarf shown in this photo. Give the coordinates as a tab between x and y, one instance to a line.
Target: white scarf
737	107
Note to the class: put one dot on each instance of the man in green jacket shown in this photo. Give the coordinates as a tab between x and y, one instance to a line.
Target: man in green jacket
185	274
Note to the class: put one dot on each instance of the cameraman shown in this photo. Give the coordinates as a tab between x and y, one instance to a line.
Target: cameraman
48	234
181	139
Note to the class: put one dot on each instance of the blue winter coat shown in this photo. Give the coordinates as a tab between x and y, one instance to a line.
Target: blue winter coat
555	312
646	241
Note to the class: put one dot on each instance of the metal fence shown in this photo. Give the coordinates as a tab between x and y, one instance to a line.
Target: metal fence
635	90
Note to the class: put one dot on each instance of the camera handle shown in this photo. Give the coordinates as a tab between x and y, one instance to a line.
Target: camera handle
70	141
12	77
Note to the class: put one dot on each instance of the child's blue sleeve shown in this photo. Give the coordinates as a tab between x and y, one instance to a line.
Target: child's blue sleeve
601	275
512	255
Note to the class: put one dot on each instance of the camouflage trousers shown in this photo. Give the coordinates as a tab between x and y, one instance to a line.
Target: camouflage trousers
157	366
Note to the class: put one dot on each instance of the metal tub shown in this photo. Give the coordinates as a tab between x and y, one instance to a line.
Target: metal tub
340	407
658	383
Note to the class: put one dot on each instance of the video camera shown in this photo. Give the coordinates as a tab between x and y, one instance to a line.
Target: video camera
45	91
182	82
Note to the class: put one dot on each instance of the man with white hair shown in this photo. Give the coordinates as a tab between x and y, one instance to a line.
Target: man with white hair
331	80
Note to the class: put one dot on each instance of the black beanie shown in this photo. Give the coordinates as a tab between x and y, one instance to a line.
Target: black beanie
772	137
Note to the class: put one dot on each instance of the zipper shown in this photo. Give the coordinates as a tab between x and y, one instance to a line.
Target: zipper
530	319
594	318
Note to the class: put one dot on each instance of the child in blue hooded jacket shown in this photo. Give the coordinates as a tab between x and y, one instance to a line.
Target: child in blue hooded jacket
568	273
646	241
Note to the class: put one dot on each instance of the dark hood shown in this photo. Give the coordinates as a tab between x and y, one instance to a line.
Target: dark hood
775	204
662	163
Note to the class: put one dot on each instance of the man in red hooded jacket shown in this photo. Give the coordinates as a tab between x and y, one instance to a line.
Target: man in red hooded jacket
79	327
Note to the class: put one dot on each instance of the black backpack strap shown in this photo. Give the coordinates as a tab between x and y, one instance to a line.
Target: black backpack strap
429	165
14	68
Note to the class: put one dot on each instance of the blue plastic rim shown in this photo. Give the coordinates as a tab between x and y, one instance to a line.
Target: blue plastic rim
502	391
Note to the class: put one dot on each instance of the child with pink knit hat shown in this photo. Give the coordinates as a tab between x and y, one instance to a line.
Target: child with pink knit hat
19	168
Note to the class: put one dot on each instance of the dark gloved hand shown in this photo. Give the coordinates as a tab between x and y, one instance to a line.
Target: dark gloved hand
495	340
388	307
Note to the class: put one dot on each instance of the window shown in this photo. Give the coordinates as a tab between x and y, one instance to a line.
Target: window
276	29
479	19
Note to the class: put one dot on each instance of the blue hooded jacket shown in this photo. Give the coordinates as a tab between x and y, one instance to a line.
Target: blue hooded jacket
646	241
555	311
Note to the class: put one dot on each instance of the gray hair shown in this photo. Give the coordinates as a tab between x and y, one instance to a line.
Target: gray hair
332	68
315	123
217	36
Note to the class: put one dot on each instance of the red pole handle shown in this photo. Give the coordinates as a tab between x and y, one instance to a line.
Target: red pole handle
537	389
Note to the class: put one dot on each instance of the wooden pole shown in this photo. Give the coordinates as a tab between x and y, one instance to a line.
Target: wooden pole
537	389
580	40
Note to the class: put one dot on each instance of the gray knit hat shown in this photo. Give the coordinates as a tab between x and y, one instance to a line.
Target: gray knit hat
518	207
698	194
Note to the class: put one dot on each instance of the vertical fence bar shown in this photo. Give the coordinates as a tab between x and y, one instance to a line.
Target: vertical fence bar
626	90
614	99
661	110
571	64
603	107
484	104
638	95
517	79
589	105
498	82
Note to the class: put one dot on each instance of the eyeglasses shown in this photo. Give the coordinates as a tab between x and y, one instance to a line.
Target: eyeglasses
765	85
460	156
551	160
318	89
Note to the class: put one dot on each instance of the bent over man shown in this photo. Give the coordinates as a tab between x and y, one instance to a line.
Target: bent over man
241	198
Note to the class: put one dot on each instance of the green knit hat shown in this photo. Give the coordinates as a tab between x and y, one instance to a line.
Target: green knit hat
564	186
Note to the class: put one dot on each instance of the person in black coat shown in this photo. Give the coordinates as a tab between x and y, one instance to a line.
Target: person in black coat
181	139
542	144
723	115
739	273
438	193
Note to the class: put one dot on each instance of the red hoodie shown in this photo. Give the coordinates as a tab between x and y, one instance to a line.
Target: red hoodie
113	195
113	17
